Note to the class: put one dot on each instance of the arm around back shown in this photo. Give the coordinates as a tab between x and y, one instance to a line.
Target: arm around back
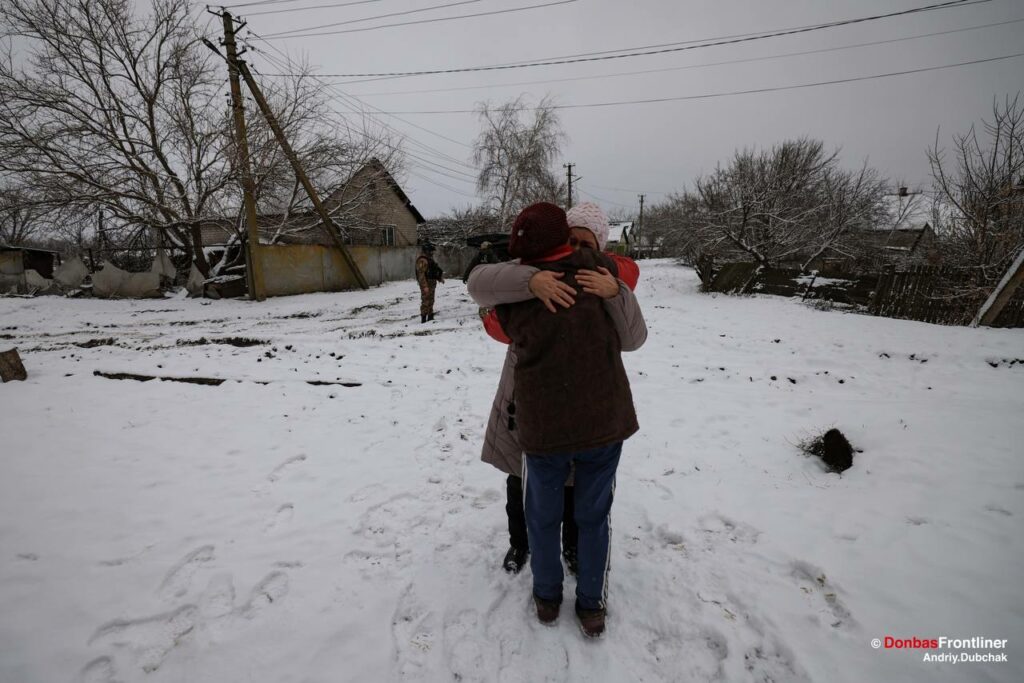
628	318
500	283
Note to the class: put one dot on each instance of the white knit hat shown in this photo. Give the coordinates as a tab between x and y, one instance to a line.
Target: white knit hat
590	216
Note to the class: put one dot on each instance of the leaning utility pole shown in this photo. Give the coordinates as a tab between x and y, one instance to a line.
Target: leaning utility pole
1002	294
254	269
300	173
640	227
568	178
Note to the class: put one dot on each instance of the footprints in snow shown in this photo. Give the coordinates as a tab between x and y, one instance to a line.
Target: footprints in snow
145	643
149	640
283	469
812	582
411	636
175	584
99	670
280	519
271	589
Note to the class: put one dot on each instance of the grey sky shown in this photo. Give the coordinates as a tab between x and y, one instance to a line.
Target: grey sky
657	148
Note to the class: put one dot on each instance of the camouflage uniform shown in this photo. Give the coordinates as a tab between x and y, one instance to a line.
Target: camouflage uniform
427	286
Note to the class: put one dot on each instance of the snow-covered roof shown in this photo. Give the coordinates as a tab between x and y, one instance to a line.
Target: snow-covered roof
616	230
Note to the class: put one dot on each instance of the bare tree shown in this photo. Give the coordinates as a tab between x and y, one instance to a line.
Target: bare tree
109	111
786	205
19	217
516	156
849	201
459	224
980	193
115	112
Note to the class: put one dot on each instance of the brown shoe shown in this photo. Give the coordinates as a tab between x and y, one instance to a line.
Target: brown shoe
591	622
547	611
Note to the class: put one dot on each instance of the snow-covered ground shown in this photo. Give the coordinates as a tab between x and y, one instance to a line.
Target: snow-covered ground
272	530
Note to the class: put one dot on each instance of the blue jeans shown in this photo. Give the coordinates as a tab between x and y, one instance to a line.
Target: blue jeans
544	479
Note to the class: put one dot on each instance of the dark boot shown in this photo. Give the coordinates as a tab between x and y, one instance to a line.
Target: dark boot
547	611
591	621
430	316
423	318
515	560
517	537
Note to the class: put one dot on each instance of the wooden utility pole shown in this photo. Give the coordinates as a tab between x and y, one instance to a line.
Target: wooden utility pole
300	173
254	269
640	227
1002	294
568	178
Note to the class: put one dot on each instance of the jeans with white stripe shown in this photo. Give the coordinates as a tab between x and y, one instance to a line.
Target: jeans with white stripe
544	479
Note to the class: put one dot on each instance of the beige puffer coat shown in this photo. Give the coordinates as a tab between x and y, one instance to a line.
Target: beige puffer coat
506	283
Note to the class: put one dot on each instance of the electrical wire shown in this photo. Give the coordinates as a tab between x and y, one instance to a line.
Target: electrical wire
377	109
258	3
682	68
359	21
735	92
577	188
431	165
278	36
640	52
303	9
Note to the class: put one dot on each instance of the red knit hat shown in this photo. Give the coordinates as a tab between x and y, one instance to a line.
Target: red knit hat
538	229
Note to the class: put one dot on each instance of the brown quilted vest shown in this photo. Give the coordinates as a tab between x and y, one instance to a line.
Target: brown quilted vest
571	390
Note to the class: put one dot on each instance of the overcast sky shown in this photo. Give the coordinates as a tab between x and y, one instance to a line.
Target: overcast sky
661	147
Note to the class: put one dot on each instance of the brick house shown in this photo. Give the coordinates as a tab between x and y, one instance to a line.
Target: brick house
370	209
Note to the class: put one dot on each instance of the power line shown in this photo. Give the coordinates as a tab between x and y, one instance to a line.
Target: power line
602	199
330	86
443	185
303	9
359	21
640	52
431	21
735	92
686	67
288	2
828	24
343	98
622	189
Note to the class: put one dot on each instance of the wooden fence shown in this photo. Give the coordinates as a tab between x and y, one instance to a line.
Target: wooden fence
928	294
933	294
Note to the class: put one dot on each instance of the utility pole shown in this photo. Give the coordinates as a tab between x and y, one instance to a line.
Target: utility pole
300	173
640	226
568	178
254	269
1002	294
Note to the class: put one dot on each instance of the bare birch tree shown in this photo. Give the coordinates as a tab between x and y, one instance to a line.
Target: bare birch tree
516	156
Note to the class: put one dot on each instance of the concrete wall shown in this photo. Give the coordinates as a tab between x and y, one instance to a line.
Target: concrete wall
454	260
304	268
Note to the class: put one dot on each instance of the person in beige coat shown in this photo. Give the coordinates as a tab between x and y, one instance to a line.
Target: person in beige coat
510	282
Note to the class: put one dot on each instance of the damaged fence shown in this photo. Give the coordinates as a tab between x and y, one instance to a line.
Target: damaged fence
923	293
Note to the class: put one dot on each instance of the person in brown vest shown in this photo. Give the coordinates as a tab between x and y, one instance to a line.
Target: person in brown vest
511	282
562	359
